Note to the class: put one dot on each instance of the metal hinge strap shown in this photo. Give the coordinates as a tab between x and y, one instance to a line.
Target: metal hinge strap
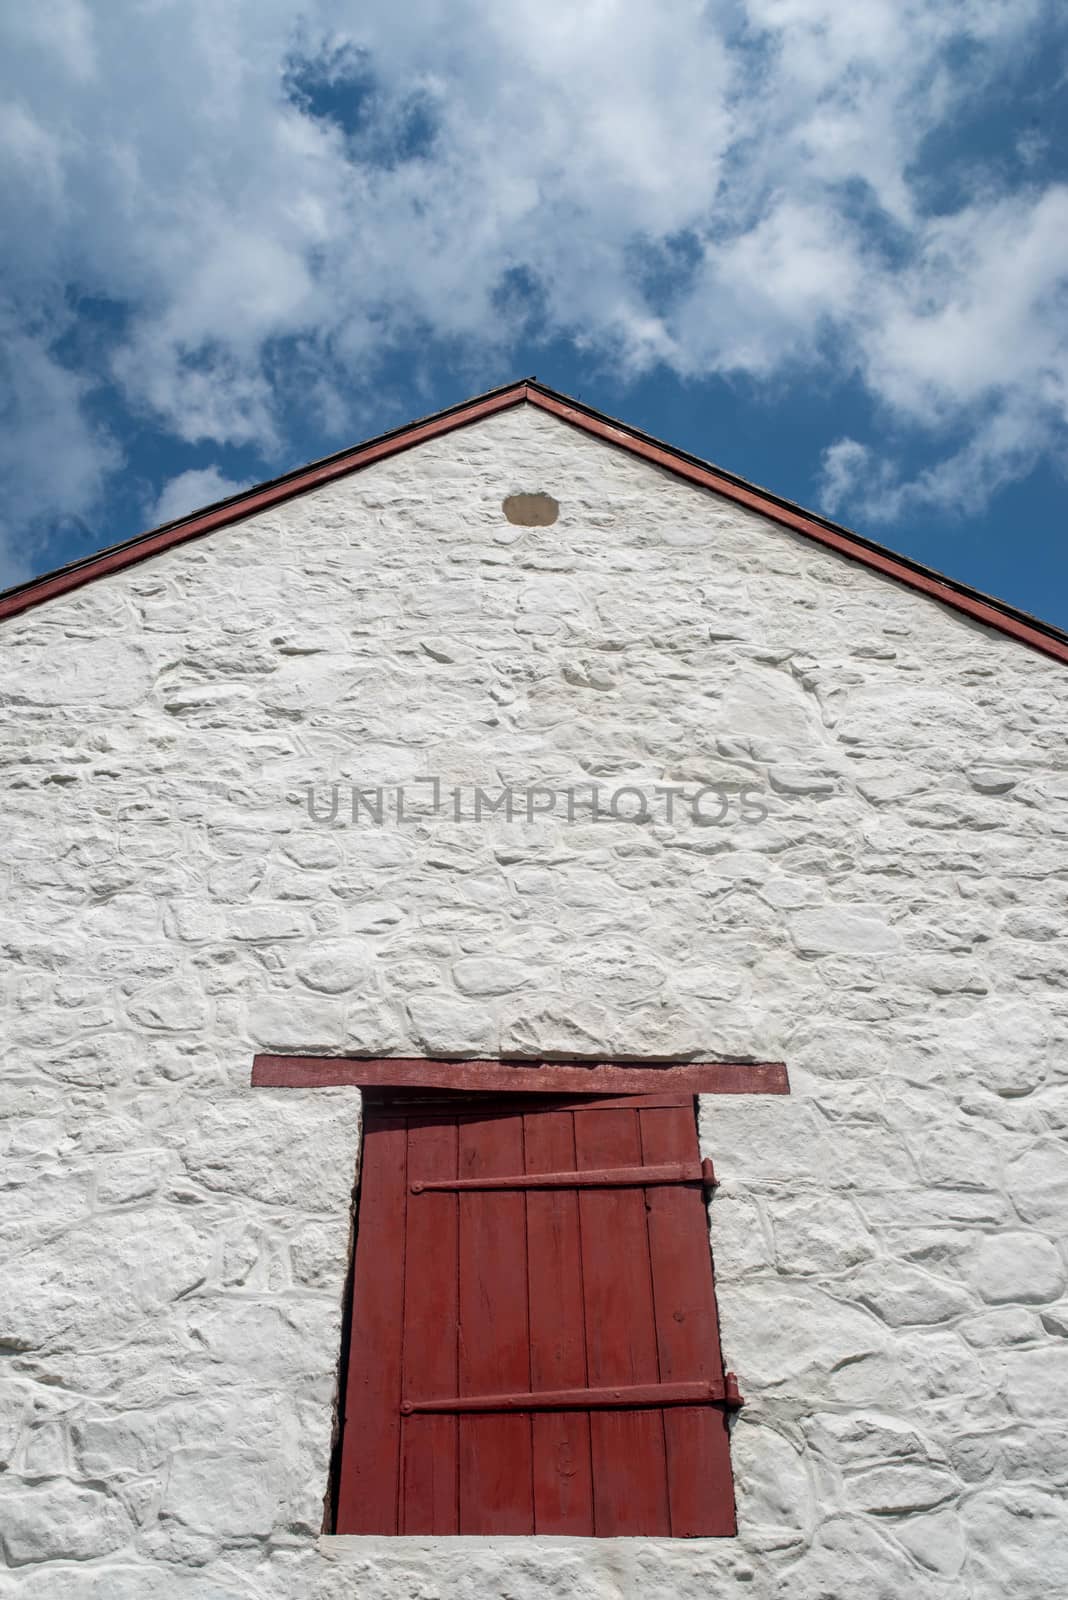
714	1391
597	1178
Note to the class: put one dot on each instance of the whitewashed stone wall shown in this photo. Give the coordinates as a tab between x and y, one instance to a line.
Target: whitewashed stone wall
889	1241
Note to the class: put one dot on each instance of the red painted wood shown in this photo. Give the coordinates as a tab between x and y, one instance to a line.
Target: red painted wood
608	1102
494	1346
497	1077
440	1103
629	1466
698	1452
429	1494
477	1310
561	1466
370	1454
605	1178
619	1398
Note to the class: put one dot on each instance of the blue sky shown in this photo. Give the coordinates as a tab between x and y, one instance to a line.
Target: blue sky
824	246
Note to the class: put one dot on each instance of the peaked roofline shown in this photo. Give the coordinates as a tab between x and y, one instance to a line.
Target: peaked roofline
972	603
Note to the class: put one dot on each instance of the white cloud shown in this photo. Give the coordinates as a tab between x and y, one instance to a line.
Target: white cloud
848	468
59	30
267	257
1002	448
189	491
53	460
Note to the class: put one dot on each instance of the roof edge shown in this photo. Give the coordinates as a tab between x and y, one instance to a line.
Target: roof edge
960	597
113	558
984	608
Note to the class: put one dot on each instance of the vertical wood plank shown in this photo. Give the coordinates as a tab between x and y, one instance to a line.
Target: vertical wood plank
563	1484
494	1351
370	1454
429	1496
629	1467
700	1490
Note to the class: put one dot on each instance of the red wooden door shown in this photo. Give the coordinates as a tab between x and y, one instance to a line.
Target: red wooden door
534	1343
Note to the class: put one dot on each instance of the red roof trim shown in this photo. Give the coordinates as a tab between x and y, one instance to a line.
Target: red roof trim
979	607
983	608
252	500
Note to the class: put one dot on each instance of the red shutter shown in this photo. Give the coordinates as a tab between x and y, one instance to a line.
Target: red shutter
534	1343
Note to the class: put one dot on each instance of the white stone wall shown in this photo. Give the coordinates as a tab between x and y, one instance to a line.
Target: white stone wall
889	1240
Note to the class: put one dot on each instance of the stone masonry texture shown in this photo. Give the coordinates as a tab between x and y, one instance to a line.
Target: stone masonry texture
889	1240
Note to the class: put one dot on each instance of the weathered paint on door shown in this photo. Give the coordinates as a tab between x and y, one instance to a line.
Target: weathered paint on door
476	1301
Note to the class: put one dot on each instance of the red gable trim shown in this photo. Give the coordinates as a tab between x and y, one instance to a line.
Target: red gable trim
983	608
250	501
970	602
